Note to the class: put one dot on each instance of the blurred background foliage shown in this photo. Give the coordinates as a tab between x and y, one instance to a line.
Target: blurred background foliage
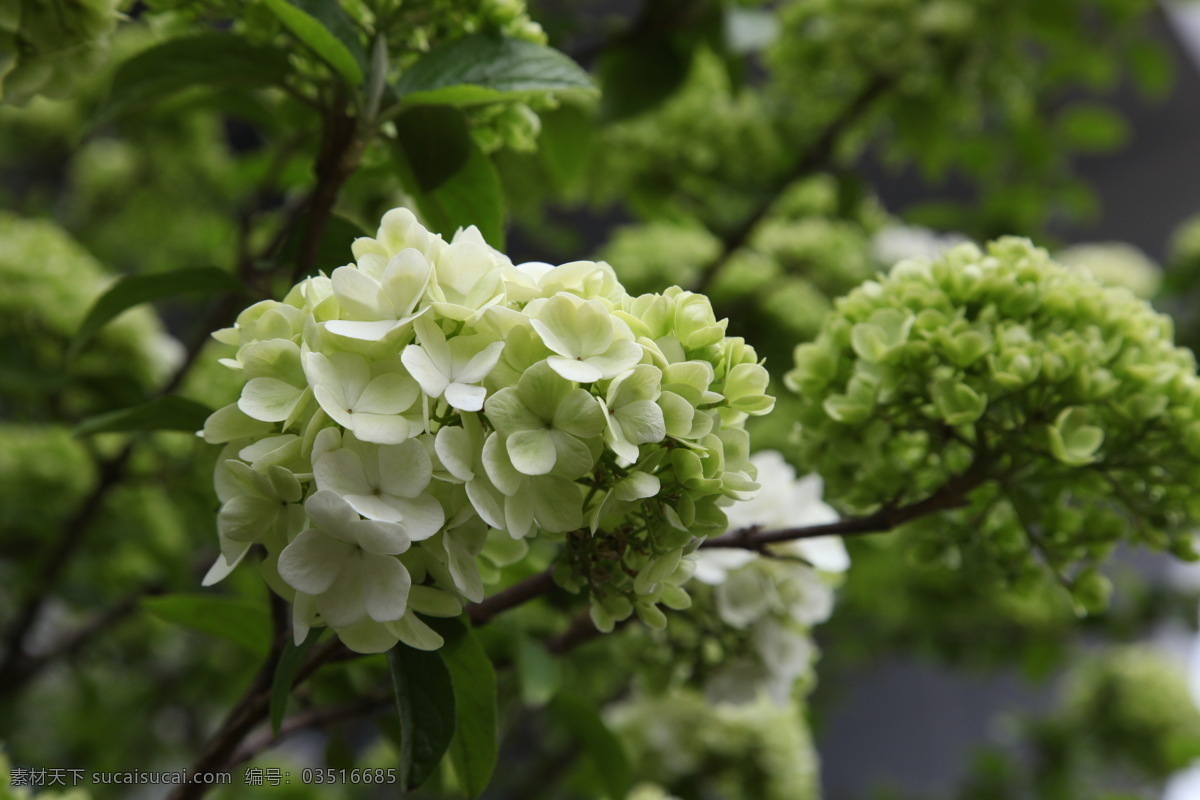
733	150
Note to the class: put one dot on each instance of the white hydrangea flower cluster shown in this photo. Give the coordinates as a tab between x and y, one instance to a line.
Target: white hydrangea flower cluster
775	600
411	420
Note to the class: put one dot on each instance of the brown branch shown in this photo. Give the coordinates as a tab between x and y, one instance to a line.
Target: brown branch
532	587
952	494
816	157
70	537
246	715
341	151
70	643
312	718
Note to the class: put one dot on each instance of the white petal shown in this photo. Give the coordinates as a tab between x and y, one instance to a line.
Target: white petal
359	295
622	356
532	452
572	370
334	407
428	374
385	588
422	516
344	603
826	553
312	562
488	502
404	469
463	569
361	330
342	472
331	513
381	538
367	636
380	428
415	633
223	566
246	518
230	423
390	393
481	364
518	516
465	397
453	448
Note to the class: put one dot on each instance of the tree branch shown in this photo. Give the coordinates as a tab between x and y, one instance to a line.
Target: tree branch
952	494
312	718
815	158
249	711
71	535
532	587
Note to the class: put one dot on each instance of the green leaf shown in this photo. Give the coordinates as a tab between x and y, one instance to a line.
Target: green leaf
538	672
214	59
1092	128
471	196
608	757
242	622
328	30
133	290
290	661
169	413
566	143
436	142
474	749
636	78
426	705
484	68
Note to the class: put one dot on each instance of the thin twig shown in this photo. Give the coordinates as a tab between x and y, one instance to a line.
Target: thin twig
816	157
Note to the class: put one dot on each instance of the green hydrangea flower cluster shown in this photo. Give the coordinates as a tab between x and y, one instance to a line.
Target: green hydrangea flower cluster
45	44
1059	408
1132	705
756	750
411	421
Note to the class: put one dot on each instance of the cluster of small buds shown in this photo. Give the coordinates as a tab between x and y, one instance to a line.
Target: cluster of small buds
411	420
1064	401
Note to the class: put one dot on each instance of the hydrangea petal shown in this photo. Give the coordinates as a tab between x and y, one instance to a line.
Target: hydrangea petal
532	452
312	562
385	588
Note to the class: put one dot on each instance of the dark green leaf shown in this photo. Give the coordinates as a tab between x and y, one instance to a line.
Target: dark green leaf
473	751
290	661
472	196
636	78
426	704
220	59
582	719
244	623
436	143
328	30
133	290
483	68
169	413
537	672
